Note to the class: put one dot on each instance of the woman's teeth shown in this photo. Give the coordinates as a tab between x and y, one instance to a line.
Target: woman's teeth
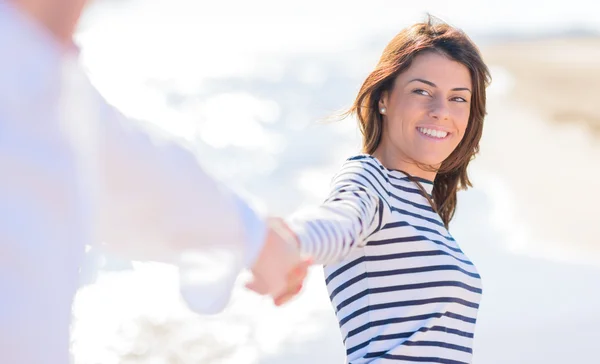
433	133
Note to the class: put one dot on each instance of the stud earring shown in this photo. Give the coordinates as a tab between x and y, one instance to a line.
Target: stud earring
382	110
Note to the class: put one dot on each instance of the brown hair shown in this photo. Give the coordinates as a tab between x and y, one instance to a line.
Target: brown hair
437	36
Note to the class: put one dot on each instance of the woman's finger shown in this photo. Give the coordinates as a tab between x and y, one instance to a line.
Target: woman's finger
257	285
286	297
298	274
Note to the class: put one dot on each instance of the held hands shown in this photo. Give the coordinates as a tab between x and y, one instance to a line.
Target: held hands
280	270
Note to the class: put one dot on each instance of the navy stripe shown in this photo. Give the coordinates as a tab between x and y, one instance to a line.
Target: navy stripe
415	191
404	212
398	320
406	179
414	238
431	268
380	212
382	306
395	256
439	344
460	317
406	335
344	268
396	224
347	284
407	287
427	253
417	205
386	273
357	347
456	332
341	270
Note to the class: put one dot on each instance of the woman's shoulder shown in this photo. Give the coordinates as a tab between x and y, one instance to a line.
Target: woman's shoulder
364	166
363	162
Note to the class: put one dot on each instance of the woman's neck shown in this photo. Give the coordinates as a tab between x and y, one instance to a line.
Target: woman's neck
392	159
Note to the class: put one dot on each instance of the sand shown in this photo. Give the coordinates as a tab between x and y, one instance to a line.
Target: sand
560	77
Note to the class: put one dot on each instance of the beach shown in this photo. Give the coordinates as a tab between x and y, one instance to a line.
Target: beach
530	224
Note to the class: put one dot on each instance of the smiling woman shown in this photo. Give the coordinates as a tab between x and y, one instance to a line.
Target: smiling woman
402	289
429	84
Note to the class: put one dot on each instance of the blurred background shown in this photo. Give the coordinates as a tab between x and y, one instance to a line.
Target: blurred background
249	84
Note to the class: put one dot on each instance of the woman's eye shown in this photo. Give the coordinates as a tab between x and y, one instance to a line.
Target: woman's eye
459	99
421	92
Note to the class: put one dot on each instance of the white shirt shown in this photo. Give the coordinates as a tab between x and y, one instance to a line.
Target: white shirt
73	171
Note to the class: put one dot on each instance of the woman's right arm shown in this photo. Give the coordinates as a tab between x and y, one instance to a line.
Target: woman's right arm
352	213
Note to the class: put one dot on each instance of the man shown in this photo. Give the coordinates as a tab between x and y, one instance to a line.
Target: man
73	171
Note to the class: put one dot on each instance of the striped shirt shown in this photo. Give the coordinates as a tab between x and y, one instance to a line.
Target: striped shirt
402	289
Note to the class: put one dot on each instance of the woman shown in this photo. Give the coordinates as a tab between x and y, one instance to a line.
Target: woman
402	289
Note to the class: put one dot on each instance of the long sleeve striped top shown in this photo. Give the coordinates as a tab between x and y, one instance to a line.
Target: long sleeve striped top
402	289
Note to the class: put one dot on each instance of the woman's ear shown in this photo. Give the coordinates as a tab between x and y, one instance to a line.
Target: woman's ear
383	102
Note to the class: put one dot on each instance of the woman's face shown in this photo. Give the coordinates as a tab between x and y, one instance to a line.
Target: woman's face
426	112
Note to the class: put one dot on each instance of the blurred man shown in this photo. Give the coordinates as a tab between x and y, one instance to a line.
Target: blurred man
73	171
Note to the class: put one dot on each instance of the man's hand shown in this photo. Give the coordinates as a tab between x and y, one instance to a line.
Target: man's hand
279	270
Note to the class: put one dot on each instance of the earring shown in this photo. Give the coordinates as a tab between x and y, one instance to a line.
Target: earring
382	110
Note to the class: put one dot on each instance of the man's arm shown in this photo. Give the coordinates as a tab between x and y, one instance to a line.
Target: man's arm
155	202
